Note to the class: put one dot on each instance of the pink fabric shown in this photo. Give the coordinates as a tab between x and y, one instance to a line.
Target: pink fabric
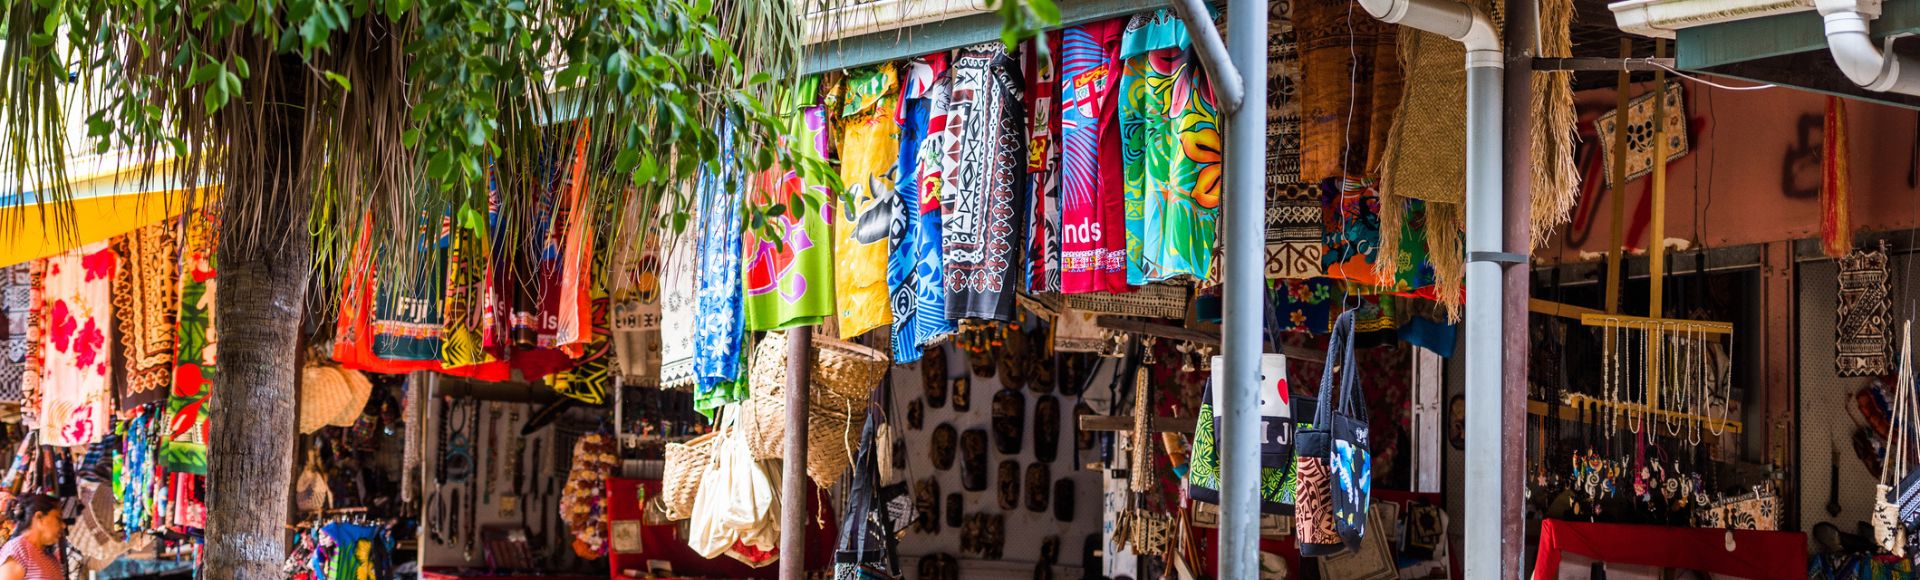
1092	206
75	403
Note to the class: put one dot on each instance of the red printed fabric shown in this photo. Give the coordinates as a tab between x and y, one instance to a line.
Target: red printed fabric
1755	554
1092	205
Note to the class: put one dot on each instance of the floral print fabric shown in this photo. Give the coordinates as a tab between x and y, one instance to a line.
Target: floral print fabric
718	328
75	408
1170	140
863	220
1092	206
981	209
679	301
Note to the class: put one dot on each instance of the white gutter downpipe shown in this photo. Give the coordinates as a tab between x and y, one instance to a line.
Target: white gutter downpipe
1486	358
1854	51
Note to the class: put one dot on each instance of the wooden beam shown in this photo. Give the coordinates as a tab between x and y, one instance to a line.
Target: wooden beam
1643	323
1551	308
1171	332
1125	423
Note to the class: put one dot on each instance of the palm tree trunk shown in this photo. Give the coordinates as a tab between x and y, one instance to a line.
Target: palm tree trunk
265	261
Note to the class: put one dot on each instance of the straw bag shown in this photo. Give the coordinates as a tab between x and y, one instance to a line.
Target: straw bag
686	465
1887	529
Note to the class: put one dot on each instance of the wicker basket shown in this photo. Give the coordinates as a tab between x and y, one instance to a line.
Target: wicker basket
1159	300
686	465
763	416
845	370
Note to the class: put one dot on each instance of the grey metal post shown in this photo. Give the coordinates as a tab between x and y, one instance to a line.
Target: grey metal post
1486	355
1244	210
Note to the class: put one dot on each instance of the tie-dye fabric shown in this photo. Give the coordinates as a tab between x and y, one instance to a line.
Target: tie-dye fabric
717	332
1043	165
982	210
75	404
930	321
789	283
1092	206
863	220
1171	144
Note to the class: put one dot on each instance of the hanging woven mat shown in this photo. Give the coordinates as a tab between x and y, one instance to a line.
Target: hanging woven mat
1160	300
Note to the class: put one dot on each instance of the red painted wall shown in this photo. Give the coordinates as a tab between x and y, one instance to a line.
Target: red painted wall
1752	172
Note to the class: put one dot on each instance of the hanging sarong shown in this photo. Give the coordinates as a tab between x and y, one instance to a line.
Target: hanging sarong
144	305
1171	144
789	282
717	333
1093	205
864	214
75	403
1293	204
982	210
934	85
16	305
901	283
195	360
1043	164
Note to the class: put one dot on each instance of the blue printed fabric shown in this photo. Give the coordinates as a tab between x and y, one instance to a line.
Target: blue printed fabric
717	311
901	283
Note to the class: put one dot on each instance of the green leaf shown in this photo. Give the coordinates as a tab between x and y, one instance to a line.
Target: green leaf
339	79
410	137
1047	11
203	73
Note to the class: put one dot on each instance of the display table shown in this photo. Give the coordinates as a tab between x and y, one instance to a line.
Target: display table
624	504
1755	554
448	574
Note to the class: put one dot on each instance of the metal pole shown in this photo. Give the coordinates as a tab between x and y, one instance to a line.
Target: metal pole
793	468
1522	37
1244	206
1486	353
1228	86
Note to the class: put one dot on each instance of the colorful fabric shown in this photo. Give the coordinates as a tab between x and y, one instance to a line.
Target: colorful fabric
195	353
1171	146
930	322
788	280
1293	204
16	305
143	305
901	284
469	256
406	308
716	356
869	147
1093	205
1043	164
1350	210
590	380
573	333
1307	306
679	301
75	402
535	279
981	208
34	367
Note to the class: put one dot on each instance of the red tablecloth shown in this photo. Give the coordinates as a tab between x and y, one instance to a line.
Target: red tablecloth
1755	554
664	543
431	574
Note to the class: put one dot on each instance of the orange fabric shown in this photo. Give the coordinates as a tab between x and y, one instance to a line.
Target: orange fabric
1836	230
576	305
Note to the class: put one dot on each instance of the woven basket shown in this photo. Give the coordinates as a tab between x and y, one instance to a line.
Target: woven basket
763	416
324	394
845	370
1160	300
686	464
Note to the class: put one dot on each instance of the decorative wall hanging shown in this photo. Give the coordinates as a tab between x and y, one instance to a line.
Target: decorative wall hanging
916	414
973	460
1640	131
1046	428
933	374
1063	490
1039	487
1009	421
926	501
1008	479
944	442
1863	345
961	390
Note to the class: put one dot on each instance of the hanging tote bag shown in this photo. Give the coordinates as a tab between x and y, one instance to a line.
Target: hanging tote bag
1331	456
1887	531
685	467
1277	411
